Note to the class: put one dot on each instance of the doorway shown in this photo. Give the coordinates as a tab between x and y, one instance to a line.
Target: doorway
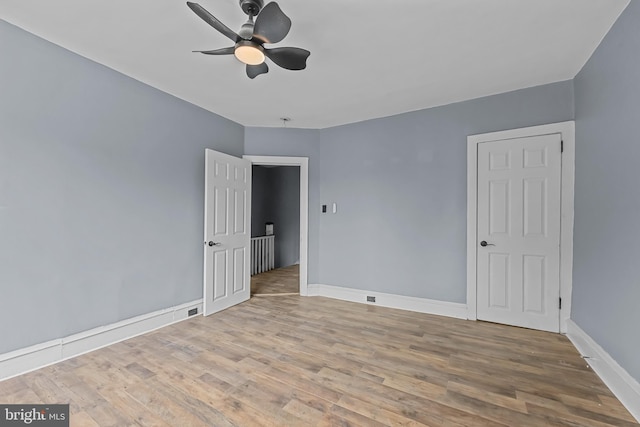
499	279
282	277
275	230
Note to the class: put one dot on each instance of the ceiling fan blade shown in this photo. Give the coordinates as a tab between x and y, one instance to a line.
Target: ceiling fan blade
213	21
272	25
255	70
223	51
291	58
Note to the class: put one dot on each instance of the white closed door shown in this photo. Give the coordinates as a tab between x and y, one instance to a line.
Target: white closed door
227	234
518	232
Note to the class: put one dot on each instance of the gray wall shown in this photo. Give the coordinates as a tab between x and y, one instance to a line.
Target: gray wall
259	200
101	193
286	214
606	281
276	199
400	187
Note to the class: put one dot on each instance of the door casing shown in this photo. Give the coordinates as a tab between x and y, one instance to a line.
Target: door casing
567	132
303	163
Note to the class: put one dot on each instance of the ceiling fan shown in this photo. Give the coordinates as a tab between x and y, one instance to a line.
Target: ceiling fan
271	26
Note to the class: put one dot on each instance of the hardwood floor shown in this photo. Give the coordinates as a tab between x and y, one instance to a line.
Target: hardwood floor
312	361
280	281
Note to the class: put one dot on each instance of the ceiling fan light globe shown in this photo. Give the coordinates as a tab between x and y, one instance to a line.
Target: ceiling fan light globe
249	53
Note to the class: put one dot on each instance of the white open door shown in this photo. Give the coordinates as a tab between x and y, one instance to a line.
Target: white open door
227	231
518	231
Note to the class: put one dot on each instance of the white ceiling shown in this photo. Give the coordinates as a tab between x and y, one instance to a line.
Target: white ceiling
369	58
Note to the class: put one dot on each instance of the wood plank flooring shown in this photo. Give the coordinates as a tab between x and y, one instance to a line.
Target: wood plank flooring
312	361
280	281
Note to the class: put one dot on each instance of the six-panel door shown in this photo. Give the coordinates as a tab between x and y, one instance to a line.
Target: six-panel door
227	231
518	271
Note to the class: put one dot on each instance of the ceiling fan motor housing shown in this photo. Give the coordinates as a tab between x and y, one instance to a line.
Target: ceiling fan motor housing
251	7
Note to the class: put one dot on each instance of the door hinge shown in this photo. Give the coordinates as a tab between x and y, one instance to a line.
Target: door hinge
561	146
560	303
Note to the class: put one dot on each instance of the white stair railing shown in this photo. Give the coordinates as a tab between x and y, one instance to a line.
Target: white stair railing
262	254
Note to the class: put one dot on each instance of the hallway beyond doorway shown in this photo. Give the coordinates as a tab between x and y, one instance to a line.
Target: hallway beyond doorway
281	281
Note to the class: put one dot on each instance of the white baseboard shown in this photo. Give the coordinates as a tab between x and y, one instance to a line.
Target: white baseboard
29	359
420	305
623	385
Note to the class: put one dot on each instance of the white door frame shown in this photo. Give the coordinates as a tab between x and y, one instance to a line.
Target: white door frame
303	163
567	131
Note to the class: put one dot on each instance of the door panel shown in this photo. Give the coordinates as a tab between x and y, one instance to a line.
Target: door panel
518	212
220	211
535	207
239	269
534	283
499	280
227	231
499	206
240	205
219	275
